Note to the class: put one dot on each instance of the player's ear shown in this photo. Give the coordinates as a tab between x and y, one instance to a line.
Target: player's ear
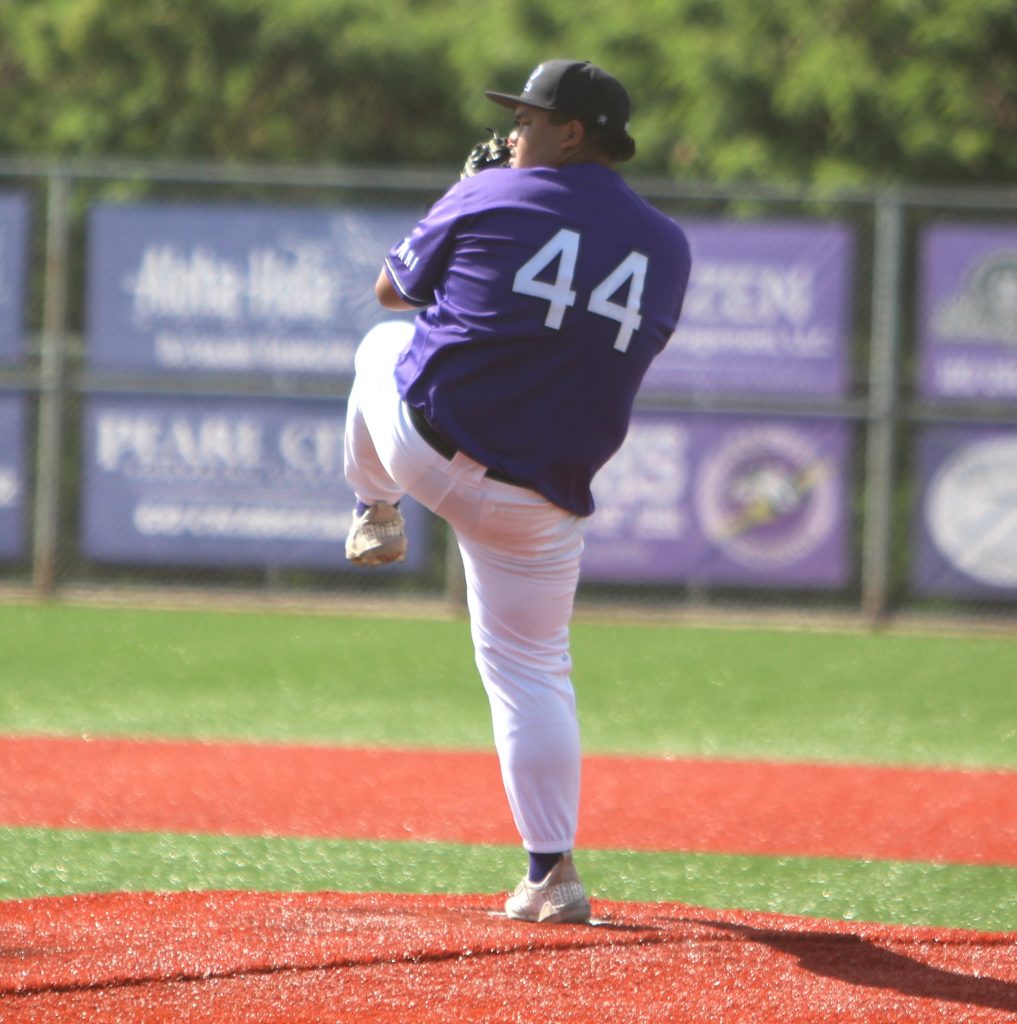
574	134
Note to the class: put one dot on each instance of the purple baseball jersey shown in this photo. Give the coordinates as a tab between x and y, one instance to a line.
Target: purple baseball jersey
548	292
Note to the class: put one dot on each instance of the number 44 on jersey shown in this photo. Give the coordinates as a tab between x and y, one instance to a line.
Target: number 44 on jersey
564	248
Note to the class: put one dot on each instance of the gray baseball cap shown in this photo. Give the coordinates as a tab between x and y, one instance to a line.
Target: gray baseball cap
575	88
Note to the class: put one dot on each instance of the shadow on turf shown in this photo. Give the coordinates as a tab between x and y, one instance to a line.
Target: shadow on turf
858	961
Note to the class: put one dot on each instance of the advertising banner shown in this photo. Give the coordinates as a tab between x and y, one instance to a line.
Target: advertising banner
13	258
221	482
966	515
723	500
967	344
234	289
12	476
768	310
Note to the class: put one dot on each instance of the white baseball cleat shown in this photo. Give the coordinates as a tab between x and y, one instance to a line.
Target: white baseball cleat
558	899
376	537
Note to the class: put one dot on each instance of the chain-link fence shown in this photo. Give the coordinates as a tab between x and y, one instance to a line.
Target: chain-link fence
833	427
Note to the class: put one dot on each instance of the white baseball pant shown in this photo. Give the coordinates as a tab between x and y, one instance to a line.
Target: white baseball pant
521	555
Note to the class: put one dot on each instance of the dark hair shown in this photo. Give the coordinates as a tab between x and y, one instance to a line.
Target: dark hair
616	146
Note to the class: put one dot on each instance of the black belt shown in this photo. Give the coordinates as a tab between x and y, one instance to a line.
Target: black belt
446	449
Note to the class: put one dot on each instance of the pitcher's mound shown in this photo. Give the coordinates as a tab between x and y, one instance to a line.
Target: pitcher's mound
227	957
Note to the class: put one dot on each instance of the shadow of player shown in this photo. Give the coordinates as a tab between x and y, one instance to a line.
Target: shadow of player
859	961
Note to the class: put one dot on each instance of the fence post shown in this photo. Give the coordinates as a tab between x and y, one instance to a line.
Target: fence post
880	448
52	360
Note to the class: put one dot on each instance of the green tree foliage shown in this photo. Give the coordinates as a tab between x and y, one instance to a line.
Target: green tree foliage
837	92
286	80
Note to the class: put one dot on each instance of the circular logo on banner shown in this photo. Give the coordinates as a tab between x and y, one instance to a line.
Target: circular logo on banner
10	486
767	497
987	306
971	510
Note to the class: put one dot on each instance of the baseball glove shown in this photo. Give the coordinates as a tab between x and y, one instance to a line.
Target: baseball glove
492	153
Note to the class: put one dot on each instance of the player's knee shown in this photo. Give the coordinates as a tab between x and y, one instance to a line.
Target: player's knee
389	334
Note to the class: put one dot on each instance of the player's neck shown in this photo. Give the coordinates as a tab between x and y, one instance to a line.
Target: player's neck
585	156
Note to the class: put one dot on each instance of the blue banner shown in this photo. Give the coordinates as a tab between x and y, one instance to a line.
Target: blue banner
13	259
12	476
721	500
767	311
222	482
234	289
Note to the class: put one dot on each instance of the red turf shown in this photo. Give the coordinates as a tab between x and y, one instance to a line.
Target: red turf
255	957
748	807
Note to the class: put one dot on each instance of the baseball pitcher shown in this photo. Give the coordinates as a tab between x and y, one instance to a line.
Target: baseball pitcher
545	286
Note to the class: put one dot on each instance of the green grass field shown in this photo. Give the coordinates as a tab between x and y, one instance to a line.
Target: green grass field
643	689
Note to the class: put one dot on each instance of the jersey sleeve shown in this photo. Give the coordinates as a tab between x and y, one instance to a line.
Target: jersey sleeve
416	264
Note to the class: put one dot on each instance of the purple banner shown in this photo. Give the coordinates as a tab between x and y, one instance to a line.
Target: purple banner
768	311
966	516
967	346
723	500
13	255
221	482
253	289
12	476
